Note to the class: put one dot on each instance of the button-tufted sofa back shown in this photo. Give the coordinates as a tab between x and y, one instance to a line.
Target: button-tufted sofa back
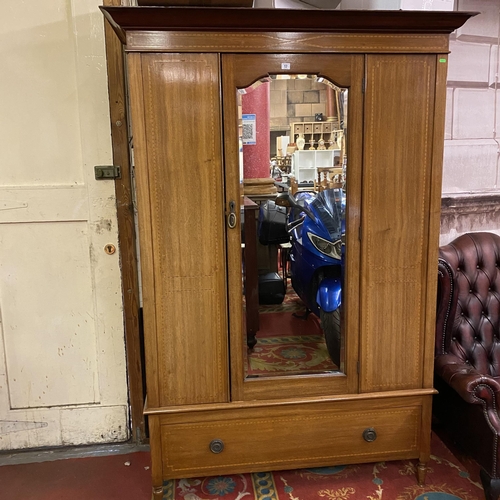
468	313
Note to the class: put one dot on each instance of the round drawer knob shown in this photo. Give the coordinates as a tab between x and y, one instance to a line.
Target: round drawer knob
216	446
369	435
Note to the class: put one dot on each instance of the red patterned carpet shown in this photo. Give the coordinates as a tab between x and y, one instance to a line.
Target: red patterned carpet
446	479
291	303
287	345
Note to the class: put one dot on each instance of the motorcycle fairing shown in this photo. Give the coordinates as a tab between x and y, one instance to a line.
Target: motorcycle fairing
316	276
328	205
328	296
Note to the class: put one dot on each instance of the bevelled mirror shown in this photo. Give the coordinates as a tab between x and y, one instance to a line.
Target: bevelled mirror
292	165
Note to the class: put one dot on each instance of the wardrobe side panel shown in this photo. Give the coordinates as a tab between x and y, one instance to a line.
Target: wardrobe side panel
183	142
136	97
399	104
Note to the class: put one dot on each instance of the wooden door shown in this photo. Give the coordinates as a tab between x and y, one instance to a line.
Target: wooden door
240	71
176	107
62	359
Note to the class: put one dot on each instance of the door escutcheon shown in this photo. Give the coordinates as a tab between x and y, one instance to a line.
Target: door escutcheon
110	249
231	218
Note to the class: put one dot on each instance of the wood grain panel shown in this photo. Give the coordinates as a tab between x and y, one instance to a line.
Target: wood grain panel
276	405
435	215
136	93
290	440
398	137
171	41
182	109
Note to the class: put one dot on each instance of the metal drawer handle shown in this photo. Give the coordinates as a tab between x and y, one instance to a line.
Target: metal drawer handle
369	435
216	446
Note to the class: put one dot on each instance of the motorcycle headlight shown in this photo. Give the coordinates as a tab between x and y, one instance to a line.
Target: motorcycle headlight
326	247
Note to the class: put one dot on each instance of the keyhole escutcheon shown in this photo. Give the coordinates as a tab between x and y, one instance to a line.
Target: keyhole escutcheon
110	249
231	218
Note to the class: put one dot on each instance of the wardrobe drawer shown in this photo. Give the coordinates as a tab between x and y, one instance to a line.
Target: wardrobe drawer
260	444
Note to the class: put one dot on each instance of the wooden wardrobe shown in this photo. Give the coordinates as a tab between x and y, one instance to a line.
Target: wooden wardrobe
185	66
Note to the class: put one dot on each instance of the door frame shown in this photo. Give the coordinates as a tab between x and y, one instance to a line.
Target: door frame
126	229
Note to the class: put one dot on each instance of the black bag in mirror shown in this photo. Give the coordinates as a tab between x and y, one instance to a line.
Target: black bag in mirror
272	224
271	289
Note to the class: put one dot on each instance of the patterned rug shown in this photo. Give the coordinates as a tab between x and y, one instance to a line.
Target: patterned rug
287	345
291	303
446	479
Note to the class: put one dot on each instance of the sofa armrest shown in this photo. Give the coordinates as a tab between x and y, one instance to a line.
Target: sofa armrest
472	386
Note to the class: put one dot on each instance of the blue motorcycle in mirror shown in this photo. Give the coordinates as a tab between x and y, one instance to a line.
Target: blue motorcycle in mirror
316	228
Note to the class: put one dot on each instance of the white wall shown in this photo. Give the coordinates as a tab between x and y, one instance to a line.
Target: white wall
473	102
471	194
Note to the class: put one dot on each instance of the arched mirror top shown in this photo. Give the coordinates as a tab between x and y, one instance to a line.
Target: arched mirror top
288	76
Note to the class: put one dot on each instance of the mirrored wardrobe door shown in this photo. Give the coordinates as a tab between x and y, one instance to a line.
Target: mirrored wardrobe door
292	142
